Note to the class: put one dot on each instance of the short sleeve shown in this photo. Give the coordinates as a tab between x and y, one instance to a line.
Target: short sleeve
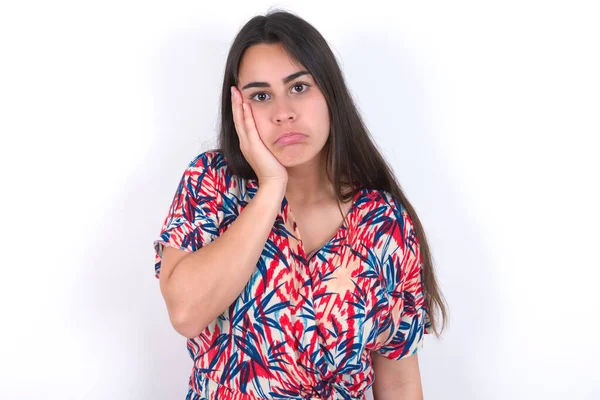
192	220
403	330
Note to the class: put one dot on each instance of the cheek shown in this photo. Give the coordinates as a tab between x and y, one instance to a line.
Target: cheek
320	111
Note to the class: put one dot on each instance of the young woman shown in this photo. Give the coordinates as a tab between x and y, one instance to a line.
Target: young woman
290	257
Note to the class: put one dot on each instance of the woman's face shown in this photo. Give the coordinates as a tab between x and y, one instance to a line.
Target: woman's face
284	98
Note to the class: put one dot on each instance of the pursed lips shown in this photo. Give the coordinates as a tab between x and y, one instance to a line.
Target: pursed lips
290	137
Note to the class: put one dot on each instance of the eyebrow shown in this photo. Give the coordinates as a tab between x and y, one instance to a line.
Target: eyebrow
284	80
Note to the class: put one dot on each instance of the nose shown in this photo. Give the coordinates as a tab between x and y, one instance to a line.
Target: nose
283	112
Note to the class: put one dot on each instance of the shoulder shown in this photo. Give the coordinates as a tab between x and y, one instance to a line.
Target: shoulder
209	165
210	172
202	176
385	215
211	161
376	203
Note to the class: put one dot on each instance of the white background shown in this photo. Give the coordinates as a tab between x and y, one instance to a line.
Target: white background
489	113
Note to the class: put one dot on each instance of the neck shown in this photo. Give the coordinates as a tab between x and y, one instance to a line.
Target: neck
308	183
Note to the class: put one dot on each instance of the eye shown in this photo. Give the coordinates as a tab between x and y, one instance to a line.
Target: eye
260	96
300	87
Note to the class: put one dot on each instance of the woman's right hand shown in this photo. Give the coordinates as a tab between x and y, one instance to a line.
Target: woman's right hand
267	168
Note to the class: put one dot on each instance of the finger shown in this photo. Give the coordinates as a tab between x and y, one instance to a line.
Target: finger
249	125
238	114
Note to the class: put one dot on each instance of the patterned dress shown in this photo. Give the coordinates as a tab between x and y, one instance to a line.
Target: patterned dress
304	325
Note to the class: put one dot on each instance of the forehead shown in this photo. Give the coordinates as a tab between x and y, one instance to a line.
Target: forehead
266	63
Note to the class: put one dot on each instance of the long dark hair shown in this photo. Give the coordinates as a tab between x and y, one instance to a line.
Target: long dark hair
352	157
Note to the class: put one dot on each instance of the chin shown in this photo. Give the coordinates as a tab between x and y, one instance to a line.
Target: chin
295	155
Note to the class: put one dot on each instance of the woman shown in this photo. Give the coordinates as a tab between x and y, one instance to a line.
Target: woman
290	257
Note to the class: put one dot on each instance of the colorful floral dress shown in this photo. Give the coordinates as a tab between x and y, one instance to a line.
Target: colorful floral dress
304	325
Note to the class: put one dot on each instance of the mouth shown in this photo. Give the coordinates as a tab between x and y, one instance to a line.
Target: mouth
290	138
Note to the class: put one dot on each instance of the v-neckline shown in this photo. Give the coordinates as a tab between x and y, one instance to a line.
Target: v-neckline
343	226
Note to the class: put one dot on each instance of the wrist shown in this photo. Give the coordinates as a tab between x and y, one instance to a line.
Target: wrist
274	187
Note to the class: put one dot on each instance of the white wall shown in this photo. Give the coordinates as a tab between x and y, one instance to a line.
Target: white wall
488	111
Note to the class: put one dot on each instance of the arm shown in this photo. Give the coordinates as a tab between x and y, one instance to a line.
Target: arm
396	379
199	286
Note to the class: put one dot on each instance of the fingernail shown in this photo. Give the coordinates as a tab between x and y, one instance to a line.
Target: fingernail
232	92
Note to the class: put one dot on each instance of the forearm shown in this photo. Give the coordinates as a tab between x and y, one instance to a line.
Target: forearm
204	283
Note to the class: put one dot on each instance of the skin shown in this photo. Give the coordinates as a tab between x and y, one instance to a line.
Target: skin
278	105
396	379
298	105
